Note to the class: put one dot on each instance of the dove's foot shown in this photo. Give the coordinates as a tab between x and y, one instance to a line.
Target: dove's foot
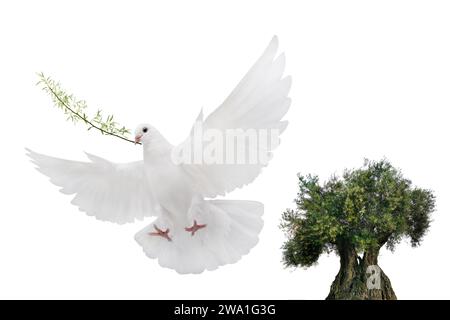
160	233
195	227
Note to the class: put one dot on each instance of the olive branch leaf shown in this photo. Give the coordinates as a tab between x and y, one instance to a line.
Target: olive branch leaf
76	110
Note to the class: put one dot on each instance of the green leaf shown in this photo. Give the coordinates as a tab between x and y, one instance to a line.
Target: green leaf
75	109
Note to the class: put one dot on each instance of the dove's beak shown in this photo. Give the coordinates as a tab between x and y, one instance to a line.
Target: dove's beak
138	138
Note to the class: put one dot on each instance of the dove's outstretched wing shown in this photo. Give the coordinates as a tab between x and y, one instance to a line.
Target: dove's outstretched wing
108	191
258	102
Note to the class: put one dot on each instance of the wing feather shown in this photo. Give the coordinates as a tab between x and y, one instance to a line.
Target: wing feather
109	191
259	101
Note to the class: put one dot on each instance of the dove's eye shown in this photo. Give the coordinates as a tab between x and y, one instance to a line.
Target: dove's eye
144	130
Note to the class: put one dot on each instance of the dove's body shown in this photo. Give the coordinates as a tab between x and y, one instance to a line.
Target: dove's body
172	192
177	194
167	181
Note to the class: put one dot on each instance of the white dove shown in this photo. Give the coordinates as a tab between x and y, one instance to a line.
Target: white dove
191	232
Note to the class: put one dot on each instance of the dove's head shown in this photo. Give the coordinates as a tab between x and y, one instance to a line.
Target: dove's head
143	133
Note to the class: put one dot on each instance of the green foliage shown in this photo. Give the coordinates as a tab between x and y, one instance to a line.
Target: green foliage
365	209
75	110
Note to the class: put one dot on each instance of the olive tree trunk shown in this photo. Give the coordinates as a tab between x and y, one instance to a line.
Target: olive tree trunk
360	278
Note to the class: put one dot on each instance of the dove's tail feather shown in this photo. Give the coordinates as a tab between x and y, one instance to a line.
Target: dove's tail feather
232	229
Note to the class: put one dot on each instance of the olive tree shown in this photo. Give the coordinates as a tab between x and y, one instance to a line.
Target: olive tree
355	216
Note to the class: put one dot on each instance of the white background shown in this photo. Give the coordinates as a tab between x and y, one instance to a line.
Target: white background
370	79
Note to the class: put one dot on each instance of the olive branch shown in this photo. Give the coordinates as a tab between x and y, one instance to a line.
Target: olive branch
75	110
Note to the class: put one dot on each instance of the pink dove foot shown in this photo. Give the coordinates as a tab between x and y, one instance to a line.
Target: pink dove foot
160	233
195	227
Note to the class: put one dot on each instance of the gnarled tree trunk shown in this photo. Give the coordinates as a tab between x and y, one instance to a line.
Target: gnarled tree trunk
360	278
